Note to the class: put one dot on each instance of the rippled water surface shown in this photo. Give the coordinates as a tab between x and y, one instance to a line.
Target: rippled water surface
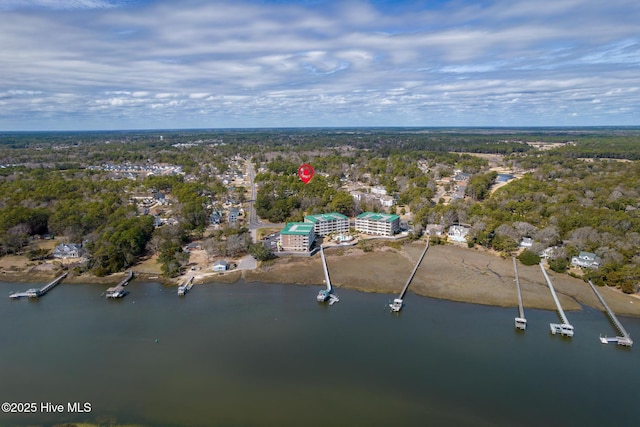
270	355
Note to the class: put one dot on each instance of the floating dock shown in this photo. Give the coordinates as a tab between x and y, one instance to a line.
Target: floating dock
521	322
185	287
326	294
37	293
397	303
565	327
625	339
119	291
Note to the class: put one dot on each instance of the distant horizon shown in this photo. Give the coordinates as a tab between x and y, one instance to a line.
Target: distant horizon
524	128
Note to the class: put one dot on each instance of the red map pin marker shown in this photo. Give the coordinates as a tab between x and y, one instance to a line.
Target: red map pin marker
305	172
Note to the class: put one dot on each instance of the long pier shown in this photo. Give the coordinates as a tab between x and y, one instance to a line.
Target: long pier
625	339
565	327
397	303
520	321
326	294
37	293
118	290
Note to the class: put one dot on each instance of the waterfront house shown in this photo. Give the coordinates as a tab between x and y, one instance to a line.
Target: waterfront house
458	233
586	260
220	266
67	250
435	229
526	243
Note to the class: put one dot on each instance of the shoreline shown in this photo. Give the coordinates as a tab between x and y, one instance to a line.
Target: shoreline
448	272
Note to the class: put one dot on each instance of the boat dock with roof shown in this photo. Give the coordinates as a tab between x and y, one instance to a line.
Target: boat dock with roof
37	293
185	287
624	339
564	328
521	322
119	291
397	303
326	294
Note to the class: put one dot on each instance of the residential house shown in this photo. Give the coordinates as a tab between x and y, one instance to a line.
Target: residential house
233	215
435	229
215	218
220	266
526	243
586	260
458	233
67	250
386	201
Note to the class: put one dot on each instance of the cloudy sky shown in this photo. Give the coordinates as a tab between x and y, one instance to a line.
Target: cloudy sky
136	64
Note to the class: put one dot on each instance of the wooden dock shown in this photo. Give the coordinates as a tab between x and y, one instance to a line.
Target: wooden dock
521	322
118	291
565	327
185	287
398	303
625	339
326	294
37	293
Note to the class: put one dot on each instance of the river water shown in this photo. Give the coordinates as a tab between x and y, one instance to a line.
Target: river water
252	354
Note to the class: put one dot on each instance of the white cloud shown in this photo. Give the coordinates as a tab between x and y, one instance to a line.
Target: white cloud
247	63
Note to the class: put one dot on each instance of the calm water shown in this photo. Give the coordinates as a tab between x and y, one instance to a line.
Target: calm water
269	355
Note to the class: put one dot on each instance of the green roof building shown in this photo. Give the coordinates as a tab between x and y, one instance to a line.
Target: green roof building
297	237
324	224
378	224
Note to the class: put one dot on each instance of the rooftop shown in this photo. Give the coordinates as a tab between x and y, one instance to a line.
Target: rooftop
297	228
378	216
324	217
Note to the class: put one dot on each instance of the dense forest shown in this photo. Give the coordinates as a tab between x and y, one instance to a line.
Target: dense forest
578	189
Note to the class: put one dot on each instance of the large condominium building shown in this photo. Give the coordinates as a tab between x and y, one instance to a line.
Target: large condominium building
324	224
297	237
378	224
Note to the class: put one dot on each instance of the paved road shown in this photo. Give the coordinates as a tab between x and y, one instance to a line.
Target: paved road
254	221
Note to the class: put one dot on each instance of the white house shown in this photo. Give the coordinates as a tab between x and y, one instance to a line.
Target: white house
586	260
378	191
220	265
67	250
526	242
458	233
386	201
